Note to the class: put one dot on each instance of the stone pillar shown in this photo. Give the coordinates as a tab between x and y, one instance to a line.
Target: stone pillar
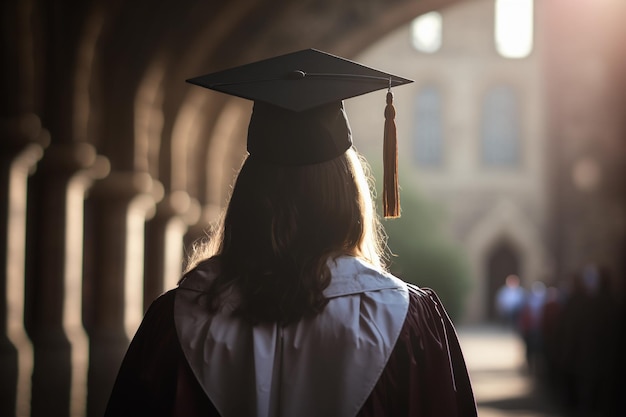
23	142
165	243
54	277
117	208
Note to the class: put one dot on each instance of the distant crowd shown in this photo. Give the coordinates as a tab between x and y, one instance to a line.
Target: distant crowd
575	339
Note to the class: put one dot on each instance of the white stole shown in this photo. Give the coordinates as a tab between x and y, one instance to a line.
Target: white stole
324	366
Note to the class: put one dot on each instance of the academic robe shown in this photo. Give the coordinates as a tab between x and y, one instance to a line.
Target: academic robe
423	373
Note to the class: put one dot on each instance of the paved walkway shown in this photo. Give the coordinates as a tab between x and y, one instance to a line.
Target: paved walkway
503	388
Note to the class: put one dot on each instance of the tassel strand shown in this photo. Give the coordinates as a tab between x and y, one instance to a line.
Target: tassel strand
391	194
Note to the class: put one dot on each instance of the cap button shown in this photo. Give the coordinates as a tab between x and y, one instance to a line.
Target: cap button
296	75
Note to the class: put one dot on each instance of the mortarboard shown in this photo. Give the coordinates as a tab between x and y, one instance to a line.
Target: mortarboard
298	116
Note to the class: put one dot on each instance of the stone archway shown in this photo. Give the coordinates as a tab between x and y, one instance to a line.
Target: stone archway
505	222
502	260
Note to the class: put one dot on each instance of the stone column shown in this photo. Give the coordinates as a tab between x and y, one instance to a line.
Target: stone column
54	277
165	243
23	142
117	209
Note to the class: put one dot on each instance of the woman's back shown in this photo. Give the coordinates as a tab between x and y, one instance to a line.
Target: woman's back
380	348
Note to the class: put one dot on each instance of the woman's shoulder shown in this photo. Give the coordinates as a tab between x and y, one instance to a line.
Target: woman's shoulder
427	359
160	310
426	320
199	278
424	297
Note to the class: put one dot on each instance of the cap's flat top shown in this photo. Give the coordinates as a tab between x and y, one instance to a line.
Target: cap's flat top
300	80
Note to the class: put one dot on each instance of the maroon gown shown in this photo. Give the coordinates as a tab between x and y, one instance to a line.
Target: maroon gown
425	375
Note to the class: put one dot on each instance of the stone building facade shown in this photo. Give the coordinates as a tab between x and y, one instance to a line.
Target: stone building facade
474	140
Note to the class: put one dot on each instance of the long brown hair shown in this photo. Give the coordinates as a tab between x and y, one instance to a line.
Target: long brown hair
282	225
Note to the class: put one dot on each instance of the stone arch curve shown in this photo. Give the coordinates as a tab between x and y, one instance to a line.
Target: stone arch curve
505	221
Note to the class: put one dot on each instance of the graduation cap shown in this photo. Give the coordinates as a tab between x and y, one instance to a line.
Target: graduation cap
298	116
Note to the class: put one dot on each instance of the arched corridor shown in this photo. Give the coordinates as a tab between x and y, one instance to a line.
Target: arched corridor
111	164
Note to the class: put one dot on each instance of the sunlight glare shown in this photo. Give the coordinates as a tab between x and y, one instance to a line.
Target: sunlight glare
514	28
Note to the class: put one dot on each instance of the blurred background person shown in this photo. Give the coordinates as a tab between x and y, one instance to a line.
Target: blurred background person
589	332
510	300
530	325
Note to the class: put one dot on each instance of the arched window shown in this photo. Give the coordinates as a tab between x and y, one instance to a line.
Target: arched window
500	128
428	129
514	28
426	32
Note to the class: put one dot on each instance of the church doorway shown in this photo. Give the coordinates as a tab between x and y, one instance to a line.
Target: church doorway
502	260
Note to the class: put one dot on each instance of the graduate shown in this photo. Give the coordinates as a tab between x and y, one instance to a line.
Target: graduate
289	311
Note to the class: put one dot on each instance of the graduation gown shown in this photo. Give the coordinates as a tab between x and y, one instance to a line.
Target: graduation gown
380	348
